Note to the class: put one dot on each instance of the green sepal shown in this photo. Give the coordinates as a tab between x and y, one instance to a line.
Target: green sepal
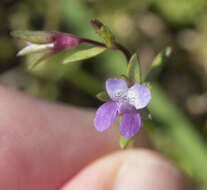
157	63
103	96
39	37
104	32
145	114
147	84
124	77
84	54
134	70
124	141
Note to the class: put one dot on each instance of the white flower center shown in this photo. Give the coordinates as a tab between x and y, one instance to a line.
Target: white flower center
127	96
120	95
133	98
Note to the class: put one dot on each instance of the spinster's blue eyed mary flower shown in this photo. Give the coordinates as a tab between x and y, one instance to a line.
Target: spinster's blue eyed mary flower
51	42
126	102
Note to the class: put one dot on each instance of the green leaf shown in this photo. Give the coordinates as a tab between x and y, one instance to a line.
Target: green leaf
190	147
157	63
104	33
84	54
103	96
39	37
134	69
160	58
124	141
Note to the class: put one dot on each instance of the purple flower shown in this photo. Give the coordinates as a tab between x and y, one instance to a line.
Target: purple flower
125	101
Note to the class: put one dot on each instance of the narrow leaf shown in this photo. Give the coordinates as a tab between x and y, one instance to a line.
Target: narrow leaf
124	141
84	54
134	69
103	96
161	57
157	63
190	146
39	37
104	32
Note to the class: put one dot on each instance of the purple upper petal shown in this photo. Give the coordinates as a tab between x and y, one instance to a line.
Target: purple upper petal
138	96
105	115
130	124
116	88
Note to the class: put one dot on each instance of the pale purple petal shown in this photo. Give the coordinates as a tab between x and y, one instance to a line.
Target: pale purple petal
28	43
124	107
138	96
116	88
105	115
130	124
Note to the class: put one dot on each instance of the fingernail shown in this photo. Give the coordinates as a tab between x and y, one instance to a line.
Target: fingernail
148	171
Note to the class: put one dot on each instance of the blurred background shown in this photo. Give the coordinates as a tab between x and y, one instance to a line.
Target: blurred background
179	105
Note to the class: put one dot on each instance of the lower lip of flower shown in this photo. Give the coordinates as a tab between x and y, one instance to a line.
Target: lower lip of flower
124	107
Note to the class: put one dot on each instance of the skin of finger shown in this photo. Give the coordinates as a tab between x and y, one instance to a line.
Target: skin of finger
131	170
44	144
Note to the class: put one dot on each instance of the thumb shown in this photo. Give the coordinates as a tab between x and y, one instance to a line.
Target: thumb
134	169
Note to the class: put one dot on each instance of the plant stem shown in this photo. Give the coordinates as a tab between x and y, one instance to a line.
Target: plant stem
84	40
117	46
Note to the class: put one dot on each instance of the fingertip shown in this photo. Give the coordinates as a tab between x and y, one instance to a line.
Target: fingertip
130	169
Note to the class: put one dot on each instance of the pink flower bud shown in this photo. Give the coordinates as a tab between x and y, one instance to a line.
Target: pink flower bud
44	41
62	41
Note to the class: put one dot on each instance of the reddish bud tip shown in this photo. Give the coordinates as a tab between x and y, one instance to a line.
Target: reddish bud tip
64	41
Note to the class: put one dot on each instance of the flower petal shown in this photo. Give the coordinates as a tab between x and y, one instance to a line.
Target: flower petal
105	115
124	107
34	48
130	124
116	88
138	96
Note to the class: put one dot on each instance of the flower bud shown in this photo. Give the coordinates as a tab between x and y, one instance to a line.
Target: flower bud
39	41
46	43
64	41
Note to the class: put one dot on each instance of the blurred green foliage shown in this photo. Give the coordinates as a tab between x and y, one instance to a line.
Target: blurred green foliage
181	12
179	104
